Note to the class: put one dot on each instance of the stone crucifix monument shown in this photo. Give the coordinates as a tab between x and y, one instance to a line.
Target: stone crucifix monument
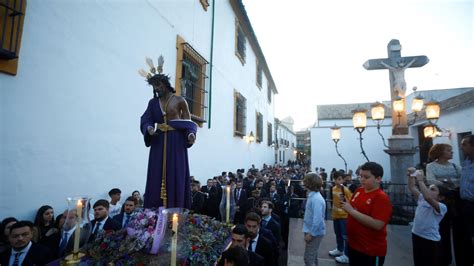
400	149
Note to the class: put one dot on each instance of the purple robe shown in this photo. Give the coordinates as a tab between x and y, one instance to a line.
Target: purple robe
178	186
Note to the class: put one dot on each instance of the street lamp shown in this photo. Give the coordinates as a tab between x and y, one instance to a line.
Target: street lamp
431	131
432	111
378	115
417	104
359	120
399	107
251	137
335	133
336	136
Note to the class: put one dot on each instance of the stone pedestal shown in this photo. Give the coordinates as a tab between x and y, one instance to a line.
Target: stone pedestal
401	153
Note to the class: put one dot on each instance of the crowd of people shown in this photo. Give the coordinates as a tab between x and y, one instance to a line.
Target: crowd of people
266	198
50	237
264	213
444	193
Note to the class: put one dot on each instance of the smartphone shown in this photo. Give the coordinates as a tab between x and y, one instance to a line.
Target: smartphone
415	173
343	194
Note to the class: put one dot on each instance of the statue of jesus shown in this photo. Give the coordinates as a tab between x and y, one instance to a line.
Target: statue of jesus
398	71
168	178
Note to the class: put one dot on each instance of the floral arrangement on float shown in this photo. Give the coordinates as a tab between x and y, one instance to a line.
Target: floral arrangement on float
158	237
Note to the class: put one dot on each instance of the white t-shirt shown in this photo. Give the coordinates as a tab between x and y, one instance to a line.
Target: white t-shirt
114	209
426	222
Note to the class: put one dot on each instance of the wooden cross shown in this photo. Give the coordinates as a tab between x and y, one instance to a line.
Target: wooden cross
396	64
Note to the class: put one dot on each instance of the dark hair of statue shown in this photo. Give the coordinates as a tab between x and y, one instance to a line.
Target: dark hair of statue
157	78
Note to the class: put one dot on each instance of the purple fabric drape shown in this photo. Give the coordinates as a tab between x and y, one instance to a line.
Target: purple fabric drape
178	185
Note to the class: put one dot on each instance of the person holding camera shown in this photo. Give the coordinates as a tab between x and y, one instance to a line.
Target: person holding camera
340	193
430	210
446	174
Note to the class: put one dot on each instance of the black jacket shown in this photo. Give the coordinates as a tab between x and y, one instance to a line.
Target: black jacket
110	224
264	249
37	255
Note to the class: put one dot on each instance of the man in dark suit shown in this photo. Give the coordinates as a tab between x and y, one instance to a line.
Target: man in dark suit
65	240
214	199
102	221
268	222
123	218
241	238
258	243
241	202
275	198
259	185
198	198
205	189
249	183
23	251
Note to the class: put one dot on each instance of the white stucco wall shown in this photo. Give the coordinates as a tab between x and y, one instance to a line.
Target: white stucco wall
217	149
285	153
454	123
323	152
70	118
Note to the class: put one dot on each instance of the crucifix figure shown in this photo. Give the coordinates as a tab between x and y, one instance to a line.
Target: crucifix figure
396	64
398	71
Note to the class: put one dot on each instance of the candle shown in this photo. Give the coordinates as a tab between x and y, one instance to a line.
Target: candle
77	233
227	206
174	239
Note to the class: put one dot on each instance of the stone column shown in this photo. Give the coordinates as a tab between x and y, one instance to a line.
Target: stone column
401	153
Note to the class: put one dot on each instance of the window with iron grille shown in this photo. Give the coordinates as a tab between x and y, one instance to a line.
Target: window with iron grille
269	93
240	114
12	14
270	135
259	76
259	120
191	80
240	43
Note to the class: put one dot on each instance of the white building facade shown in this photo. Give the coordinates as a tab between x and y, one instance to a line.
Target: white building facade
456	120
286	142
323	151
70	116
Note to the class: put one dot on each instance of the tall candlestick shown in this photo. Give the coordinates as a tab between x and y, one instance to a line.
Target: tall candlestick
174	239
227	205
77	233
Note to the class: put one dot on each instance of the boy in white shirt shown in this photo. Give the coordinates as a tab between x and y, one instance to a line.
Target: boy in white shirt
115	207
429	212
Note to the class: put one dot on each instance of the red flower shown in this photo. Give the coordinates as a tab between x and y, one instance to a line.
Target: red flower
104	246
194	248
140	264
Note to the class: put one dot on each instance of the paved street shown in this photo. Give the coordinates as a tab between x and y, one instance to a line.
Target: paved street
399	245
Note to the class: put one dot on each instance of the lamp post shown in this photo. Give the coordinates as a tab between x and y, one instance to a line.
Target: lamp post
359	119
336	136
378	115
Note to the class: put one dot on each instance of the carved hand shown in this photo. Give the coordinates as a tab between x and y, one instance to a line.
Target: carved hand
151	130
191	138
